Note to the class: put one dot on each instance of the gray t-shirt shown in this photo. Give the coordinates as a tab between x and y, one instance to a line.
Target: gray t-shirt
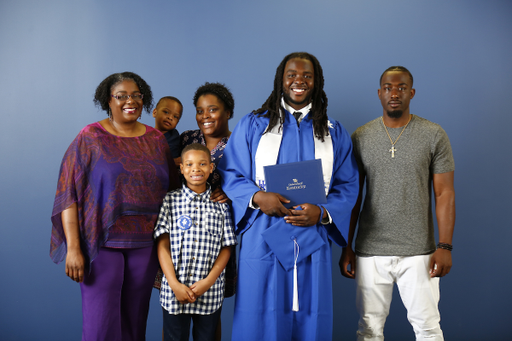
396	219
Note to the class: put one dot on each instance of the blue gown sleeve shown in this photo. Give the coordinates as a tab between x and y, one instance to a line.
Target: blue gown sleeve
344	185
236	169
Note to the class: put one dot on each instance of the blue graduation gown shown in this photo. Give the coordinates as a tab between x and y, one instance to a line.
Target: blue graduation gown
263	306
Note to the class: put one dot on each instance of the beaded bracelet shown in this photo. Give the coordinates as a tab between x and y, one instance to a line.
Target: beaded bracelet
445	246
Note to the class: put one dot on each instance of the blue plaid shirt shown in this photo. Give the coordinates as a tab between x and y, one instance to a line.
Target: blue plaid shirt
198	228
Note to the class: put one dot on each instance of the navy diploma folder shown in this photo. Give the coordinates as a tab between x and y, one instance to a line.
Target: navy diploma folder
300	182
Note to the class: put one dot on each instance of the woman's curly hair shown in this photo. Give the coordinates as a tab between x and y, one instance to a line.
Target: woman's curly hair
103	95
220	91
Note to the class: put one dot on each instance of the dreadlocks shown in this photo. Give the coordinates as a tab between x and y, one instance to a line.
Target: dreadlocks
272	106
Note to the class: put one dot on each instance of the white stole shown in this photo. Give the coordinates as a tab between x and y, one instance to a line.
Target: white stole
268	151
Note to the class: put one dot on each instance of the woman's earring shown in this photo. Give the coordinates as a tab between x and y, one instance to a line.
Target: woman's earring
109	115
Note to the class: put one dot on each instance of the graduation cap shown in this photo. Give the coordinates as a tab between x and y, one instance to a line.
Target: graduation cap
292	244
280	238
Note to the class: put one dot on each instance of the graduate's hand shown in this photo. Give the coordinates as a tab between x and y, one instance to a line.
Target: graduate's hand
218	195
348	259
440	263
271	203
200	287
309	215
75	264
183	294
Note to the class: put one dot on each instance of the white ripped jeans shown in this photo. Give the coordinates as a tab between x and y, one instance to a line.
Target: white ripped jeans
375	277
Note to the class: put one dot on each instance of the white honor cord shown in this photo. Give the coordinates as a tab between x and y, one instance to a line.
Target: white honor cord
296	251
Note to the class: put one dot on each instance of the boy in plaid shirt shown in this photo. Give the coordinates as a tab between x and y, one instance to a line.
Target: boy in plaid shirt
194	235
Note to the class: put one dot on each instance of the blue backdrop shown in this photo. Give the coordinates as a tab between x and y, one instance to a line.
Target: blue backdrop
53	54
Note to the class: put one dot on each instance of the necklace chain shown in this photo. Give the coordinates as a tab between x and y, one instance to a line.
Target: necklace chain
393	150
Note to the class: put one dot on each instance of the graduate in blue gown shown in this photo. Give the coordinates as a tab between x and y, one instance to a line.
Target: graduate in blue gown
264	308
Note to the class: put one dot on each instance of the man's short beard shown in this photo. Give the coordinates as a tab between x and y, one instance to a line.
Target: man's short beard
290	101
395	113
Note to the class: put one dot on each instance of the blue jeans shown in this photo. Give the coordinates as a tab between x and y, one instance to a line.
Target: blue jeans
177	327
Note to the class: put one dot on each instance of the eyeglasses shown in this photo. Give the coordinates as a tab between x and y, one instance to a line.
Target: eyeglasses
136	97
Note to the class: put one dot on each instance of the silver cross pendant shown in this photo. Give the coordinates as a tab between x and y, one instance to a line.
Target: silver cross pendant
392	150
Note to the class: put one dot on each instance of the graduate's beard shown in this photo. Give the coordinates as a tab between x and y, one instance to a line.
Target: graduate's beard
395	113
290	101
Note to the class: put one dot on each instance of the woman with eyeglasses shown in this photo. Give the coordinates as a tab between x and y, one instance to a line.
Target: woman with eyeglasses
112	181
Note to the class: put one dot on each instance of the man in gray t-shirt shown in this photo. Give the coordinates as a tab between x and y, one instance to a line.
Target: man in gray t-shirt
402	157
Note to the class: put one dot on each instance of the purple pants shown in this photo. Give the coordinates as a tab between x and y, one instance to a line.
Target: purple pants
116	294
